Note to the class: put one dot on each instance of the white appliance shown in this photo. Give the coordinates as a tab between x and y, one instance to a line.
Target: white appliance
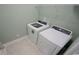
52	40
34	28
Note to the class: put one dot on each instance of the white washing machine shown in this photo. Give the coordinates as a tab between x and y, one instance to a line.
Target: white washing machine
34	28
52	40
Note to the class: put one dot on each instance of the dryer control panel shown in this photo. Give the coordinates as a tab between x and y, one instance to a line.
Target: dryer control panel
62	30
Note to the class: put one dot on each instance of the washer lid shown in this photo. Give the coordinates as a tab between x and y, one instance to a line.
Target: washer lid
37	25
55	36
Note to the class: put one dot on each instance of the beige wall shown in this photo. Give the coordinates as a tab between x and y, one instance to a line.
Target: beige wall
62	15
13	20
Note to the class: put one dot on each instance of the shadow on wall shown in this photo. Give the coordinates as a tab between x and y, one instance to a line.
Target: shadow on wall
76	10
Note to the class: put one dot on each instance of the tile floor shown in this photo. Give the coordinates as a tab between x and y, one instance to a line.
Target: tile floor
22	46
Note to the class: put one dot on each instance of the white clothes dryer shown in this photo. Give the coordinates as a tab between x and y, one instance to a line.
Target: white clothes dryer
52	40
